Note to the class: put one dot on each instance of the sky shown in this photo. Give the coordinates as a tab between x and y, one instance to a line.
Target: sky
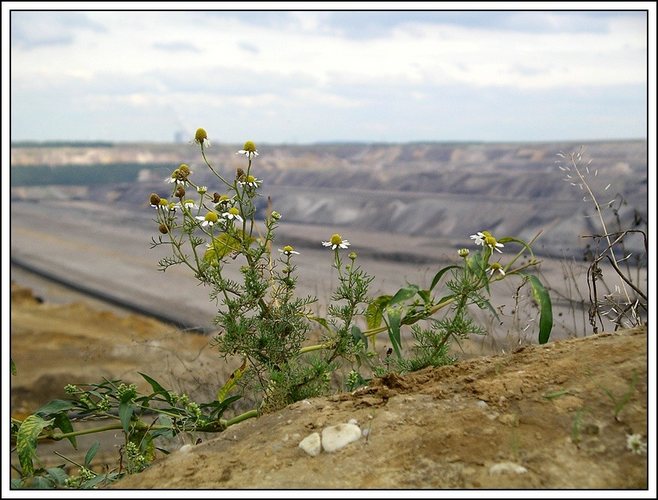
321	76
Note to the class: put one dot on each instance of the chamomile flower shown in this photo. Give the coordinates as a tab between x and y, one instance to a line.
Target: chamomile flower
189	204
496	267
249	150
486	238
155	200
251	181
201	138
221	201
210	219
335	242
179	175
288	250
232	214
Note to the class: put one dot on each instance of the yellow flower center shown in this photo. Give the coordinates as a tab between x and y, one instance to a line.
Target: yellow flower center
249	146
212	217
251	178
201	135
287	249
490	240
336	239
234	211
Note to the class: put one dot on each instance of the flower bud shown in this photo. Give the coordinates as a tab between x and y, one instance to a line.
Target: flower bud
200	136
275	215
249	146
163	228
154	199
180	192
184	169
463	252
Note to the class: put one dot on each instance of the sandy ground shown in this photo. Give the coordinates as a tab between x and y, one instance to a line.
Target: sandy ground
537	418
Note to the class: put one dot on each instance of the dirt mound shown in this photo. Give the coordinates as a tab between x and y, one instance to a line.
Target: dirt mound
541	417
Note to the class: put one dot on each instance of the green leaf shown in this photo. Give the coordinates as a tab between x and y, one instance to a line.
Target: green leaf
357	335
55	406
125	414
39	483
217	408
98	479
157	388
12	366
221	246
543	300
394	329
58	475
403	294
426	296
63	423
485	304
439	275
321	321
230	383
91	453
375	311
26	441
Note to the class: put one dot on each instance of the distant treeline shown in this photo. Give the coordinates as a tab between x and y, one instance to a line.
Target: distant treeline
81	175
61	144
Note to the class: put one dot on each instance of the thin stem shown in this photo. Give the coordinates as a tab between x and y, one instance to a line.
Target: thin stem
600	215
203	154
247	415
73	462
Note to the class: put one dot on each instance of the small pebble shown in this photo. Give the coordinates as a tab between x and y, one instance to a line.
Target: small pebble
507	468
338	436
311	444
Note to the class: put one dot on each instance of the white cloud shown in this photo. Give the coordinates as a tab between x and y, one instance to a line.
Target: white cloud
319	60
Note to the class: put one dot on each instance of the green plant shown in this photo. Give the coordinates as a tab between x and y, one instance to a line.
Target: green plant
143	418
262	320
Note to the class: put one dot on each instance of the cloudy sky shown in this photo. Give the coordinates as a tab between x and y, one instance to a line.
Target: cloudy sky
300	77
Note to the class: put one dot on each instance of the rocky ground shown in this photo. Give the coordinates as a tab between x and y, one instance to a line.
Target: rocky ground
541	417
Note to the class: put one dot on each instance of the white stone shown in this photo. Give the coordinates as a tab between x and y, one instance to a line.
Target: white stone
338	436
311	444
507	468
